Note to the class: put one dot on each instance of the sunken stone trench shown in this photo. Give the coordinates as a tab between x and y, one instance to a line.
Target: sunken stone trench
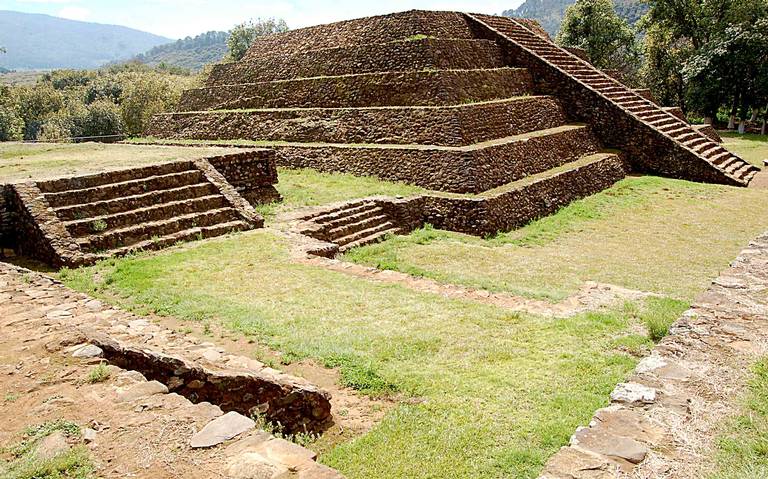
281	399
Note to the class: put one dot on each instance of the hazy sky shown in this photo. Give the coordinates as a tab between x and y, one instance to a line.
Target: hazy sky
179	18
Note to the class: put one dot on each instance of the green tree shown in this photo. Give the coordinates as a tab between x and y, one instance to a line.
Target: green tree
610	43
101	118
242	36
11	124
145	95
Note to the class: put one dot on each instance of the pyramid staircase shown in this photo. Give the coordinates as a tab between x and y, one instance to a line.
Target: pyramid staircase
352	224
112	214
640	110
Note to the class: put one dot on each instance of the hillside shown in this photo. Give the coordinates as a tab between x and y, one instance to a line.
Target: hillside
36	41
550	12
188	53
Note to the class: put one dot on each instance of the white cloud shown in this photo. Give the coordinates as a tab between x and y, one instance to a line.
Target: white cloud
74	13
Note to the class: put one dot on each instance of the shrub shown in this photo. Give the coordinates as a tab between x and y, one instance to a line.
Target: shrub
11	125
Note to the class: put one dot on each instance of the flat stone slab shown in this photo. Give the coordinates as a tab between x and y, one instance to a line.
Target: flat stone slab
633	393
222	429
141	390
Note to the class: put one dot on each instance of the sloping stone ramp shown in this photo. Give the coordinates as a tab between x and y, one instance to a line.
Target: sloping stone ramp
138	426
664	420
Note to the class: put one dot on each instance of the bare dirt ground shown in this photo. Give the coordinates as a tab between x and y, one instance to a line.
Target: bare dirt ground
141	430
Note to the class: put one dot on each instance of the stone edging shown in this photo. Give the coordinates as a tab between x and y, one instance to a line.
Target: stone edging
244	209
663	421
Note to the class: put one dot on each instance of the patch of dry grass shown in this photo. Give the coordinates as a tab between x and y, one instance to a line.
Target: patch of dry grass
38	161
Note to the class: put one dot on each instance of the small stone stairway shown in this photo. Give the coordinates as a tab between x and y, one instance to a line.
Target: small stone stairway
350	225
141	209
664	123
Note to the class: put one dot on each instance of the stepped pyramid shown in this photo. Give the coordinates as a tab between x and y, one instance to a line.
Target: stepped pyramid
453	102
485	107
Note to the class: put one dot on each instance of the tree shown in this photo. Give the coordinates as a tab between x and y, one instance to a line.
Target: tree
11	124
610	43
695	56
242	36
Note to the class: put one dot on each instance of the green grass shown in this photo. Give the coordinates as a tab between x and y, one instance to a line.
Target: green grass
98	374
742	449
492	393
24	463
751	147
306	187
661	235
24	161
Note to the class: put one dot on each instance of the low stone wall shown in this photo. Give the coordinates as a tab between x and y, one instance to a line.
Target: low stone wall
414	55
7	220
369	89
445	126
456	170
252	173
378	29
40	235
506	210
665	419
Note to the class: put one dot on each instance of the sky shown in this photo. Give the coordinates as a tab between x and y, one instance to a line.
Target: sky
181	18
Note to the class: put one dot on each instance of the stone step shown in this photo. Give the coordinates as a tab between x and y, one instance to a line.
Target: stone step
332	215
370	239
351	228
131	235
357	236
101	179
128	203
163	211
419	88
352	217
190	234
125	188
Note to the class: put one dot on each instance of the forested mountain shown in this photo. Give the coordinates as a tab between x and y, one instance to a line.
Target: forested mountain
550	12
35	42
188	53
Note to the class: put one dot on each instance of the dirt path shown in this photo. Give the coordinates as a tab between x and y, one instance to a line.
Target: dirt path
140	428
590	297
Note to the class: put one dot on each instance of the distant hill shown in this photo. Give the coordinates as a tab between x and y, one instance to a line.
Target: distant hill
36	42
189	53
550	12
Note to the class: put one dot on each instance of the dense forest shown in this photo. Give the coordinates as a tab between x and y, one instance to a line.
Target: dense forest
191	53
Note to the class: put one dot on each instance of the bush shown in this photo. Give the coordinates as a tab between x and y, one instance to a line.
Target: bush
101	118
11	125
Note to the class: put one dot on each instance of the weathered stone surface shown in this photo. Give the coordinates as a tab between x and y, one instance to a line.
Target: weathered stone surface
611	445
252	465
51	446
573	463
633	393
89	435
88	351
141	390
222	429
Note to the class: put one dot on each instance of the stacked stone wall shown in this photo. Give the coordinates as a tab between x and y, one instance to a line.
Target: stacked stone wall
364	90
7	220
379	29
415	55
505	210
444	126
457	170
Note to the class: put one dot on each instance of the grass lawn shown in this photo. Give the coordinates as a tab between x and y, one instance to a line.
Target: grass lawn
25	161
485	393
751	147
662	235
742	451
307	187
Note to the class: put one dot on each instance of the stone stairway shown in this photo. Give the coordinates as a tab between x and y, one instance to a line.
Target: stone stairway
584	76
350	225
142	209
